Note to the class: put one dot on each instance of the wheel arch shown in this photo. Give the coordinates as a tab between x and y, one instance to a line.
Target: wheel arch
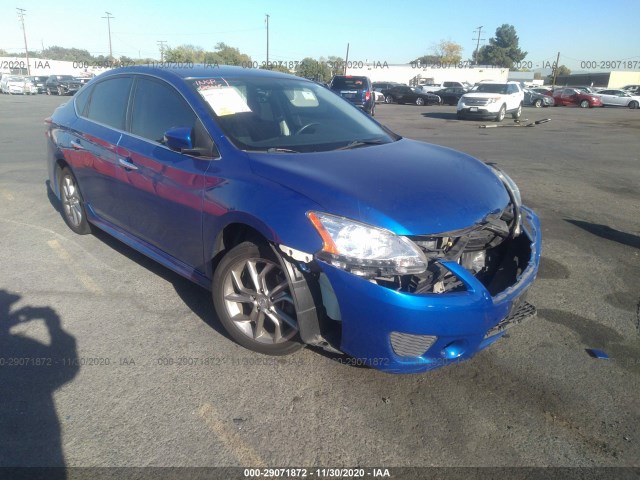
234	233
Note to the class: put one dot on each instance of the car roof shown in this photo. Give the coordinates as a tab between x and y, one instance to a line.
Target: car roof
167	70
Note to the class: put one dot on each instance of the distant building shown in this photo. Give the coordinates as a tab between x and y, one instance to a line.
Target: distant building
599	79
413	74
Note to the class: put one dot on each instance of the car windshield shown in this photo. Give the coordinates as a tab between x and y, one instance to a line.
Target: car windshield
286	115
16	79
355	83
492	88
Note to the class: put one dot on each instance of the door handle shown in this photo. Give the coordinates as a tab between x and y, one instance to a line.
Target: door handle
127	164
75	144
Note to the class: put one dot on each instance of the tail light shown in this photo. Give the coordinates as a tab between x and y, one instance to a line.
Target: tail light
367	96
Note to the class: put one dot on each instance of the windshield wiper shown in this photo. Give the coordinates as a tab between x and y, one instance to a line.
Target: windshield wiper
281	150
360	143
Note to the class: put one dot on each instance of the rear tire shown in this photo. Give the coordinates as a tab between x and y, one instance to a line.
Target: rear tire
584	104
388	99
538	103
73	211
253	300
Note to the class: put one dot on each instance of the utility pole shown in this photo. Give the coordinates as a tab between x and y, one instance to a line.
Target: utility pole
478	42
161	44
555	72
24	33
346	60
267	20
109	17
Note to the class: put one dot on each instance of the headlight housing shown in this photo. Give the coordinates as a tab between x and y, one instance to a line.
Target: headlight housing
365	250
514	194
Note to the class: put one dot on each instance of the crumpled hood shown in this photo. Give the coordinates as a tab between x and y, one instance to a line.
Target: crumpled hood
408	187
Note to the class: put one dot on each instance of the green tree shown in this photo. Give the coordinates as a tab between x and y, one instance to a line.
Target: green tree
276	68
68	54
449	52
184	53
444	52
503	49
562	70
313	70
226	55
426	60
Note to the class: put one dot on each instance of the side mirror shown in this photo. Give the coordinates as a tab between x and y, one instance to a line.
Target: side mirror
178	138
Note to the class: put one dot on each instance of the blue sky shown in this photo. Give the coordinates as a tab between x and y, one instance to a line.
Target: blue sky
581	31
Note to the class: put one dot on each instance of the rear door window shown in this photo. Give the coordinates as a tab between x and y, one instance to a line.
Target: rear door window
108	103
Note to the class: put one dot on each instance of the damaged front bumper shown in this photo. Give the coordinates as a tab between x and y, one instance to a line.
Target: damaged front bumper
401	332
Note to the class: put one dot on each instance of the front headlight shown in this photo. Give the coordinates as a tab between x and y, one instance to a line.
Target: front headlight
365	250
491	100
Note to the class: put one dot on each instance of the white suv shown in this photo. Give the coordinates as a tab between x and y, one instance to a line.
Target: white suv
492	100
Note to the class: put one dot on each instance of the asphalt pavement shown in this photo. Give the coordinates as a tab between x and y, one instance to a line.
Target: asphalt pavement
144	375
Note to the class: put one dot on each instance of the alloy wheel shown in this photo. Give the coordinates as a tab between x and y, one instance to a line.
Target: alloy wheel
258	301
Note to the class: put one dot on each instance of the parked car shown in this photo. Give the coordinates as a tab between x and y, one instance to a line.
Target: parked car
404	94
633	89
378	96
82	80
586	89
492	100
450	95
378	87
39	82
431	88
537	99
17	85
543	91
572	96
357	90
618	98
61	85
309	222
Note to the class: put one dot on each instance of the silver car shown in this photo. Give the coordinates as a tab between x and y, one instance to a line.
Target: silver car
618	98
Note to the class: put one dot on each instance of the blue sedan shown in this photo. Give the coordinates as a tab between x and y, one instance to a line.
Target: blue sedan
308	221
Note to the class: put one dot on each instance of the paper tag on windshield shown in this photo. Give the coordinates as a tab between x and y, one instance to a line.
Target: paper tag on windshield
225	101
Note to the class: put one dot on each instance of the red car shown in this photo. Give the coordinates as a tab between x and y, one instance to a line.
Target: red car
572	96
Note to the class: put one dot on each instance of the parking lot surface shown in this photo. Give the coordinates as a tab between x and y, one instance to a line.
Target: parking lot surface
142	374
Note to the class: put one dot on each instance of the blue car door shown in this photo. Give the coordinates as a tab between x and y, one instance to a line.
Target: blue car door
162	188
92	154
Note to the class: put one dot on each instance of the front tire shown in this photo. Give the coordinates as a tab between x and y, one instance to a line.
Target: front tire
73	211
633	105
538	103
252	297
584	104
501	114
516	115
420	101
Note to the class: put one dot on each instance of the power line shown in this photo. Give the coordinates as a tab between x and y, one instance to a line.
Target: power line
479	30
109	17
161	44
24	33
267	20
